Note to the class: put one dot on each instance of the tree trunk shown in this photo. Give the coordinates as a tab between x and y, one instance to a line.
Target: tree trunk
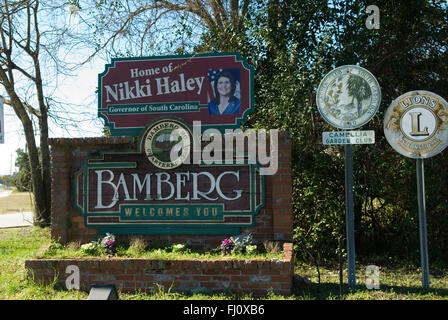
45	170
27	46
41	203
42	200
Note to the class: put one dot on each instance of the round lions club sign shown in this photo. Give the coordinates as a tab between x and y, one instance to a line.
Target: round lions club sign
416	124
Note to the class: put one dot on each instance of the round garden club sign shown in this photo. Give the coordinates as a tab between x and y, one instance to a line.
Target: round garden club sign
416	124
348	97
167	144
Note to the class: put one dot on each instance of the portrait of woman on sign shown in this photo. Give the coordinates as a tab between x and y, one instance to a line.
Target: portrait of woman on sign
225	87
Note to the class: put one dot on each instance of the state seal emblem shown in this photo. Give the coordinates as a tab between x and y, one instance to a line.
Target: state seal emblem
167	143
348	97
416	124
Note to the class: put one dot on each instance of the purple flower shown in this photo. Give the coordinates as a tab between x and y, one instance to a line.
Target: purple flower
227	245
110	247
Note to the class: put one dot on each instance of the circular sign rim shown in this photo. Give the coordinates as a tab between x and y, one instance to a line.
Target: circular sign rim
390	110
185	149
348	126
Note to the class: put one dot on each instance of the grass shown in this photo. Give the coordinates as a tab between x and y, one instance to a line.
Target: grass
72	250
15	202
17	245
396	283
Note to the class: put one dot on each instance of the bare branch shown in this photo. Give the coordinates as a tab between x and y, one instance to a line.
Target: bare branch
149	26
28	25
36	30
28	107
26	74
245	7
218	12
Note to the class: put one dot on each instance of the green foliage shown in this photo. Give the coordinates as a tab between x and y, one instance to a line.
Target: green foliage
138	249
396	283
91	249
137	246
97	248
292	45
240	242
272	247
23	179
179	247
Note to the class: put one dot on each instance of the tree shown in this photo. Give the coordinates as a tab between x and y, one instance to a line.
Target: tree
23	179
408	52
20	61
161	26
32	41
292	45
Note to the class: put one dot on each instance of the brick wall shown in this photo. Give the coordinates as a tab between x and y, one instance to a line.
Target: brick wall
273	222
258	277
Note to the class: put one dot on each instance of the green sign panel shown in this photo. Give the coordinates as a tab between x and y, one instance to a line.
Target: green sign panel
145	192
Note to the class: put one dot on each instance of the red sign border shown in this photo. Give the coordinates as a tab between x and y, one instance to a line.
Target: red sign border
136	131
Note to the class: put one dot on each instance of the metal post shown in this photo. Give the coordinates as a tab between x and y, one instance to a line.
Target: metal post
341	275
422	223
349	215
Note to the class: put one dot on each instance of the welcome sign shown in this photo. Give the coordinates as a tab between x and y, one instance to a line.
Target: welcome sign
216	89
131	192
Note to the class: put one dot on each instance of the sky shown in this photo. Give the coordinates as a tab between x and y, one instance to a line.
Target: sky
78	91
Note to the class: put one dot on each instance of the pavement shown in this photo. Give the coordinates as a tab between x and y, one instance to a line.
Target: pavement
13	220
5	193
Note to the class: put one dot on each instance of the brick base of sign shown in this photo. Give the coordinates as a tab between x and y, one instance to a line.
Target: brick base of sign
258	277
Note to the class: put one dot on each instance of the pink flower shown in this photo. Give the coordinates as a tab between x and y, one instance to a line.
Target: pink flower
227	245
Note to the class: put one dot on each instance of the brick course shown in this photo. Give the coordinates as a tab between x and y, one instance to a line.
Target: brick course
192	276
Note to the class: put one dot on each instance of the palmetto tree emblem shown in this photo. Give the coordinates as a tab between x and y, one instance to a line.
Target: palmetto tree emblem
348	97
358	89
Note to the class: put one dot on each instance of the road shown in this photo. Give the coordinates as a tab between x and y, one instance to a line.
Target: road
5	193
12	220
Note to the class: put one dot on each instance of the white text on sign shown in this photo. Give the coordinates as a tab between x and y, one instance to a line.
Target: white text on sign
348	137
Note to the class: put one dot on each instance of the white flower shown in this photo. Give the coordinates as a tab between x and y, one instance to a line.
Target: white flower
251	249
91	246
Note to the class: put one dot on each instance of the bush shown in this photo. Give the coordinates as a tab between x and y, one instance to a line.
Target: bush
91	248
137	246
241	241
